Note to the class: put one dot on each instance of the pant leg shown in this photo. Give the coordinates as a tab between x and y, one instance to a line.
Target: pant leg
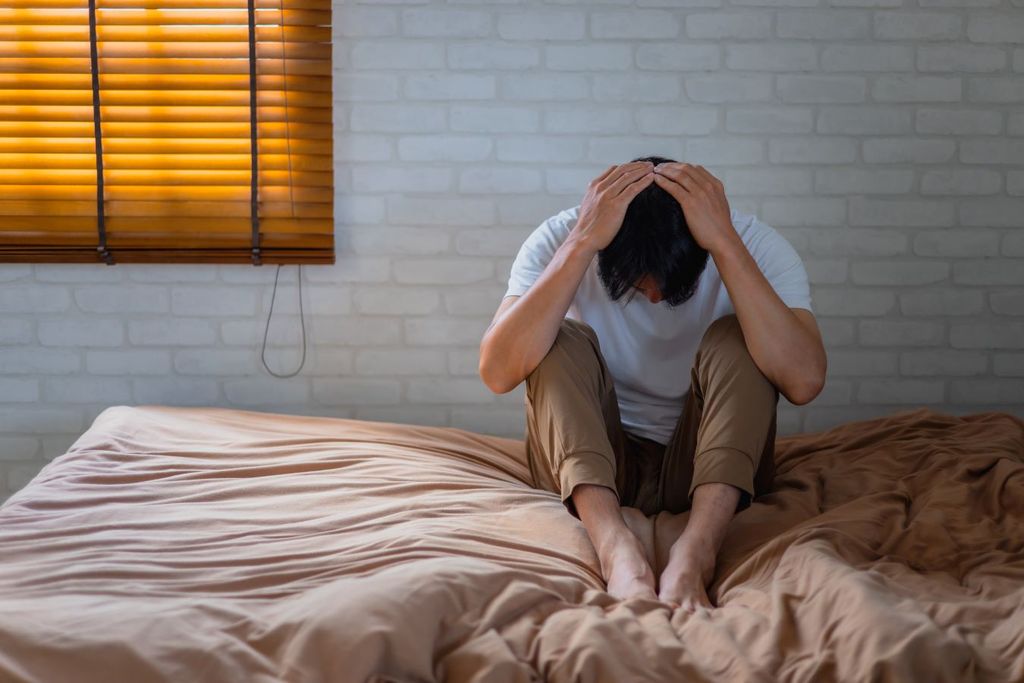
574	431
726	432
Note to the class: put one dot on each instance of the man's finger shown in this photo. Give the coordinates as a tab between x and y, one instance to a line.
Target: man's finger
625	179
682	174
623	169
680	193
637	186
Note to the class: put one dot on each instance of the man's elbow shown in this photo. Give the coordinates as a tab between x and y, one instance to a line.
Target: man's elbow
493	378
808	387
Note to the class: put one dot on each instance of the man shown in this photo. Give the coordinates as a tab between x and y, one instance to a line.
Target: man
660	403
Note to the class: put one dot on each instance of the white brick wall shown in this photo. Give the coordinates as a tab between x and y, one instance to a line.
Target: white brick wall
883	138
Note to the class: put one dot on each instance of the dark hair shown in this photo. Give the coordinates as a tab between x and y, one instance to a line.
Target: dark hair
654	240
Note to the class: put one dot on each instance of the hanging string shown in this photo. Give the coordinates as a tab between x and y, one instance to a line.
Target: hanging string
94	59
253	142
302	321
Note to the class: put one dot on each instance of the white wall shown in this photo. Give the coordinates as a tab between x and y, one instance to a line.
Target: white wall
883	138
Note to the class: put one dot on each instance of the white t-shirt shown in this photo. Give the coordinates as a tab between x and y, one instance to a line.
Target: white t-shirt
650	348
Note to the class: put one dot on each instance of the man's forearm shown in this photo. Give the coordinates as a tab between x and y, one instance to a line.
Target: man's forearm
516	343
783	348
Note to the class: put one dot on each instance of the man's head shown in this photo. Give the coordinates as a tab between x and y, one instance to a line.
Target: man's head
653	252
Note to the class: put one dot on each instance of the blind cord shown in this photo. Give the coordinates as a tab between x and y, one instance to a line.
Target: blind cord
302	322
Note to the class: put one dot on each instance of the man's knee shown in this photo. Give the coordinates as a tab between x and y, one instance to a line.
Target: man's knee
575	341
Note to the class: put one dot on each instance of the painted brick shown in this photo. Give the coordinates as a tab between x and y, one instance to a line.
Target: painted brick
822	25
932	363
917	26
128	362
33	361
18	390
449	391
444	331
444	147
847	302
539	148
991	27
769	119
867	58
451	23
907	150
539	87
736	25
933	301
961	181
350	391
991	212
542	25
891	391
957	243
861	363
603	57
901	212
727	87
395	301
387	362
34	299
986	390
1007	303
1008	364
397	54
675	57
490	55
902	272
826	271
862	181
178	331
903	88
76	332
771	57
493	119
447	87
443	271
863	120
16	331
822	88
995	89
961	58
981	335
958	121
98	390
988	272
640	24
900	333
804	211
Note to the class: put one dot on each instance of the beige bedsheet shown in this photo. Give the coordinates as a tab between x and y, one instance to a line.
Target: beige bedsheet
217	545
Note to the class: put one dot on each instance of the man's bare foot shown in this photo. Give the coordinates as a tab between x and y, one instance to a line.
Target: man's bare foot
625	568
690	568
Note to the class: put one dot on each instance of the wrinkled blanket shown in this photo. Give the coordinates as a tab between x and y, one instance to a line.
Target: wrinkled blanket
185	544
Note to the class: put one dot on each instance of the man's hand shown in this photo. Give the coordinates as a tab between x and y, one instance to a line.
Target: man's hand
608	196
702	198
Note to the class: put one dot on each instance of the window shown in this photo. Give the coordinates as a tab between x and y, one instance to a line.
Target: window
166	131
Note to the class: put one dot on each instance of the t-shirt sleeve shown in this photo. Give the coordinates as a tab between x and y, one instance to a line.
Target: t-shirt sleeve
538	250
783	268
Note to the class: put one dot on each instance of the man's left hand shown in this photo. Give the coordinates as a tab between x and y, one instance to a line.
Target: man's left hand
702	198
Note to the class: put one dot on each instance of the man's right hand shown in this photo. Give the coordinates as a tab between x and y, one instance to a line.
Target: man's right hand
608	196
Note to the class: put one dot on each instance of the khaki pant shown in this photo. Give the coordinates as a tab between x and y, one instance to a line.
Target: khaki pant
725	433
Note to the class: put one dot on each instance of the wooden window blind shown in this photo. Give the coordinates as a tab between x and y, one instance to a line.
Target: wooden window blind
126	131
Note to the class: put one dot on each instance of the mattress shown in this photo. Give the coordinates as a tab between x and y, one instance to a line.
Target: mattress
187	544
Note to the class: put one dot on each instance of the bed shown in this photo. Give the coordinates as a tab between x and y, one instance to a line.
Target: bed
188	544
